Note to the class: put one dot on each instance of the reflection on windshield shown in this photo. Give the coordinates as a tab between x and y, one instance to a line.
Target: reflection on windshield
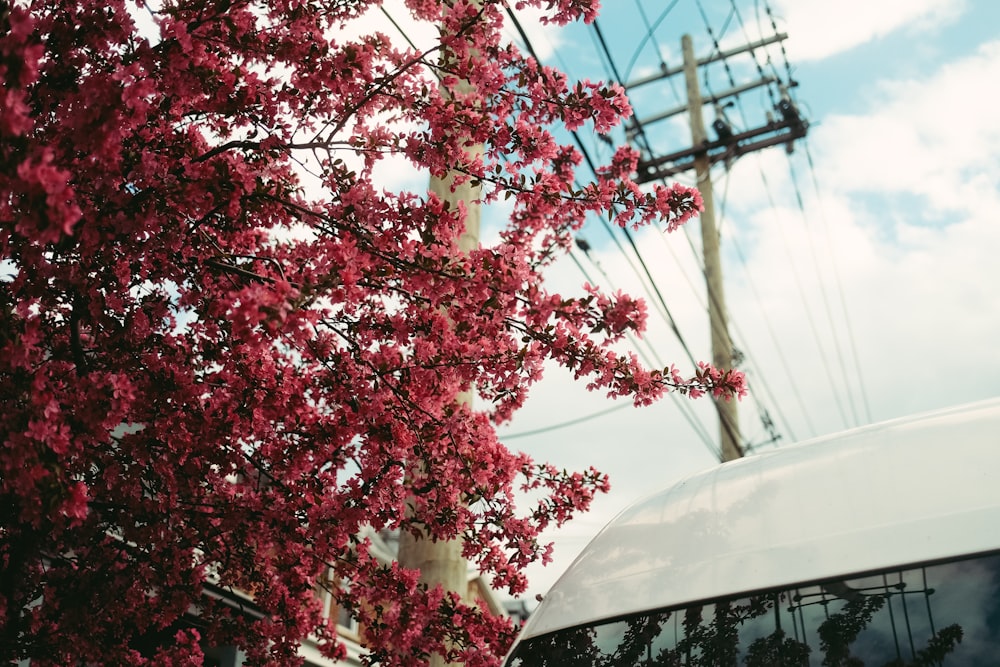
943	614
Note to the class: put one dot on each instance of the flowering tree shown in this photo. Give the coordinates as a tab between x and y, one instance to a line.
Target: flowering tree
224	350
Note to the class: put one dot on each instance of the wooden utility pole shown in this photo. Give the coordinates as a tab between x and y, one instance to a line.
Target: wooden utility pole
784	127
722	344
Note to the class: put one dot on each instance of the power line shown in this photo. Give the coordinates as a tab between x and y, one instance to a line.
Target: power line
778	347
563	65
565	424
644	273
762	412
753	52
822	290
734	12
651	36
790	83
805	302
595	415
656	362
398	28
660	301
744	349
784	54
579	265
717	47
840	287
760	64
665	312
628	235
725	423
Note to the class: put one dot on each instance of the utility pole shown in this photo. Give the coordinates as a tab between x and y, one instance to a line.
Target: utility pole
722	344
700	157
440	562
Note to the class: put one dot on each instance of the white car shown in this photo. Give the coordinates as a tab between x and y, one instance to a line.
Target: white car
879	546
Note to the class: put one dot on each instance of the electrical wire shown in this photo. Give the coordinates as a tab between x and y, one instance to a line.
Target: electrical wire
664	310
822	290
805	301
734	12
522	34
657	362
724	421
716	46
837	345
565	424
398	28
796	392
660	301
761	410
651	36
753	52
784	54
579	265
840	287
785	89
737	333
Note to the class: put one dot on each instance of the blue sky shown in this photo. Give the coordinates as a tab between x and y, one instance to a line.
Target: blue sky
875	300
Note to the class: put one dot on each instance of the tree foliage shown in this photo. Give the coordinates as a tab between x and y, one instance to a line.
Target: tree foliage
225	349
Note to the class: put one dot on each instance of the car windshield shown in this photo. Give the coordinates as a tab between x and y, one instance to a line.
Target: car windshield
941	614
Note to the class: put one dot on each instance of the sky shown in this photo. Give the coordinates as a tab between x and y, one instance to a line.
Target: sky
860	269
874	299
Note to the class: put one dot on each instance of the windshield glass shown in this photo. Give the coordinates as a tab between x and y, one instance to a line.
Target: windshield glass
941	614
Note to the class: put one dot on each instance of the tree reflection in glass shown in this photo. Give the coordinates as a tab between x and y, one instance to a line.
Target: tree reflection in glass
882	620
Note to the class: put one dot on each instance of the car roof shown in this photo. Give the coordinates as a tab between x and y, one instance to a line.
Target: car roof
902	492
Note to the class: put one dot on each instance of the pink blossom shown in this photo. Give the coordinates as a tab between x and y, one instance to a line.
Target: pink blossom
227	350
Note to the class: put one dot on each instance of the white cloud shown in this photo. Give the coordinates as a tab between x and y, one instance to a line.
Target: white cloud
931	137
820	28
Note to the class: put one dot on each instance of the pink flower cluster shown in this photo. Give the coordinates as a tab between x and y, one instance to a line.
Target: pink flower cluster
226	350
